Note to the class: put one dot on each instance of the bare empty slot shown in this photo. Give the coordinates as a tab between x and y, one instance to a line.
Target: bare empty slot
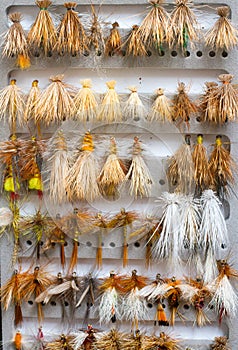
174	53
212	54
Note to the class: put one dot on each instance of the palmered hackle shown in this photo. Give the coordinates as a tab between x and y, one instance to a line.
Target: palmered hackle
152	31
72	38
113	42
110	109
55	104
223	34
183	106
15	42
161	109
42	34
133	44
12	105
183	26
85	102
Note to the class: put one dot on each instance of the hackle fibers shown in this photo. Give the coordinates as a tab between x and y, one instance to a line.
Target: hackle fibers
222	168
96	40
110	299
30	107
112	340
209	104
88	287
152	237
85	102
138	341
220	343
101	223
134	108
153	292
224	300
82	177
223	35
209	270
150	291
15	42
166	246
10	294
134	308
138	174
72	38
198	294
202	174
55	104
144	231
35	226
33	284
183	26
213	229
64	289
152	31
180	170
183	106
54	237
6	219
227	97
161	109
63	342
133	44
30	153
113	42
124	219
189	223
12	105
112	173
9	151
166	342
84	339
42	34
57	168
173	294
46	295
143	227
76	224
110	110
